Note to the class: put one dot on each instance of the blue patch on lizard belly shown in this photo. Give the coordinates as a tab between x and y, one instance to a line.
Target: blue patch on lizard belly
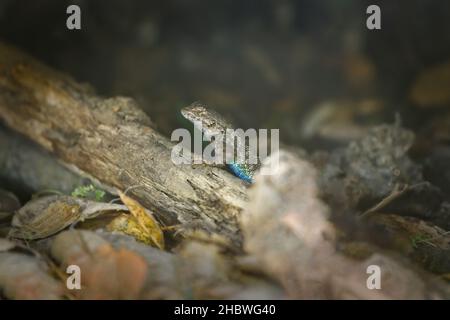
240	172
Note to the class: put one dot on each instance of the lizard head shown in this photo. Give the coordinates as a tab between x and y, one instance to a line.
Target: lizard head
211	121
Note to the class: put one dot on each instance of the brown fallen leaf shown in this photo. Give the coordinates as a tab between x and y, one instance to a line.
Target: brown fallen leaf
45	216
129	225
42	217
145	220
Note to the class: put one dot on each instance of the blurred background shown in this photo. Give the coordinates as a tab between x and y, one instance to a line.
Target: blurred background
308	67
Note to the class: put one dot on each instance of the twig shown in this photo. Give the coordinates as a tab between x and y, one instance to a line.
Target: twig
396	192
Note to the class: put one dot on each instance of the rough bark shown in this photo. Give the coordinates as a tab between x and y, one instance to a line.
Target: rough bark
113	141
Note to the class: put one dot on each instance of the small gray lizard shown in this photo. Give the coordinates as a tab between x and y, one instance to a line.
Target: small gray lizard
212	125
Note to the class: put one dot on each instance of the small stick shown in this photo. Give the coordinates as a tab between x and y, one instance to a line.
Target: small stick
396	192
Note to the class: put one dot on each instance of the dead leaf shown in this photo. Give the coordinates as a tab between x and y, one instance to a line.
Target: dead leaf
45	216
145	220
129	225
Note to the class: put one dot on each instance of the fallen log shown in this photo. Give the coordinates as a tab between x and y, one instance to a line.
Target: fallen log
112	141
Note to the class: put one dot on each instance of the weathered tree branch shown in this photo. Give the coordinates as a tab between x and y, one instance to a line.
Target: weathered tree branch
113	141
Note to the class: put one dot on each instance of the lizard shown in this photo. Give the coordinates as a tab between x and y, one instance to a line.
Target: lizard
213	124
